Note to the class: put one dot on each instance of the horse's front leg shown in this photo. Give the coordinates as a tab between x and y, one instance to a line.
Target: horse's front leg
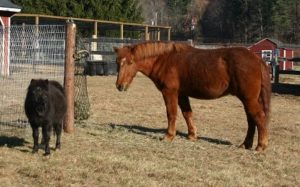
184	104
171	101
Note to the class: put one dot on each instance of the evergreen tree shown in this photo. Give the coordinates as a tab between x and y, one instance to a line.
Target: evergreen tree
113	10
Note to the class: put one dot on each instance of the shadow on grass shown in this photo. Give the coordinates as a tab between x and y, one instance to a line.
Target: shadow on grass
12	141
146	130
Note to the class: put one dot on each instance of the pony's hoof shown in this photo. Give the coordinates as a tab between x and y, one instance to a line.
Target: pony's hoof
245	146
47	154
57	147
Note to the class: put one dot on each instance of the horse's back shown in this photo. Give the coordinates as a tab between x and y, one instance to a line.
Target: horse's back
214	73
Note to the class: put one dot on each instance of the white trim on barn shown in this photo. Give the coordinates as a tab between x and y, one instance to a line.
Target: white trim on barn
284	61
267	55
2	48
293	57
10	9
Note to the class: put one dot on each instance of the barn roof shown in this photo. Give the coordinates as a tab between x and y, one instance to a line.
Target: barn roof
7	5
278	43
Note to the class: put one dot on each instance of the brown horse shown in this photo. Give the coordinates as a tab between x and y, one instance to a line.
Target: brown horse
180	71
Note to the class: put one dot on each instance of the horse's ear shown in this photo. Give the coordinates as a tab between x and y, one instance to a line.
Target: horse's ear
132	49
116	49
132	59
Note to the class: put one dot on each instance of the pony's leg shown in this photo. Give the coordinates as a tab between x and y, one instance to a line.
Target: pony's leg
35	135
46	130
184	104
58	129
171	101
256	115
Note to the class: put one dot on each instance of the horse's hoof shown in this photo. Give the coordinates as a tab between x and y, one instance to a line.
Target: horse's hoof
168	138
260	148
35	151
192	137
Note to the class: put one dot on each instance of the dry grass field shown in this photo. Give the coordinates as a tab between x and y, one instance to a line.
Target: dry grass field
119	145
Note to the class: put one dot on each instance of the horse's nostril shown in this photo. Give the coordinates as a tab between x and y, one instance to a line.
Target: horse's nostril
120	87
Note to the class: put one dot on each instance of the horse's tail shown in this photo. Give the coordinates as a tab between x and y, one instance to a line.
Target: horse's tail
266	90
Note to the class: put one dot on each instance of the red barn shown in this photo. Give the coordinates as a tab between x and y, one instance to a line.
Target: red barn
7	9
268	49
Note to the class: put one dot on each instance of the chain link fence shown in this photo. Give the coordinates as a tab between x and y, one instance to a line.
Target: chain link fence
34	52
102	59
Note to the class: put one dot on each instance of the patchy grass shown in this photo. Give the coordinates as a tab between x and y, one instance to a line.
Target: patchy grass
119	145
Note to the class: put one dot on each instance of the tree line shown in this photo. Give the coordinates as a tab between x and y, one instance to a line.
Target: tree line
243	21
250	20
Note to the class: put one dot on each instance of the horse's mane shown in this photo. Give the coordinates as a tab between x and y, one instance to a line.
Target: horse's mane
152	49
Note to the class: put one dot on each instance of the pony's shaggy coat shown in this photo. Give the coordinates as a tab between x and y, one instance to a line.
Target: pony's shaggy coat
45	106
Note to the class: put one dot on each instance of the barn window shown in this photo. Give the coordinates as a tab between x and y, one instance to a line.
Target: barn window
266	55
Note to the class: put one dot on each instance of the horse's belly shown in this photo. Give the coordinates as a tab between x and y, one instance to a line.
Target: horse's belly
212	91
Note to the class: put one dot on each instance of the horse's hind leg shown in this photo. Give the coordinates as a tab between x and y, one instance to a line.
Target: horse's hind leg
248	142
256	115
184	104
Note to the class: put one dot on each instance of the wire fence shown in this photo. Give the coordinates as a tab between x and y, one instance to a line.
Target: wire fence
102	59
38	52
34	52
28	52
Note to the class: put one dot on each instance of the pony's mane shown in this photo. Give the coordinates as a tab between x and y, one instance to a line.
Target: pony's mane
152	49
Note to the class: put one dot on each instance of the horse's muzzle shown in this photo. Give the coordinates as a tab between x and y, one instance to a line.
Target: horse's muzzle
121	87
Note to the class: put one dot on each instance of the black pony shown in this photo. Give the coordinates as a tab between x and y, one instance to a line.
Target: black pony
45	106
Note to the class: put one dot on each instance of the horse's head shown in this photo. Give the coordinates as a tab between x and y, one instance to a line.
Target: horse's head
127	68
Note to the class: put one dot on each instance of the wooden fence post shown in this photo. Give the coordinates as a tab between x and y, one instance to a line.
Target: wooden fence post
169	34
69	77
146	33
276	74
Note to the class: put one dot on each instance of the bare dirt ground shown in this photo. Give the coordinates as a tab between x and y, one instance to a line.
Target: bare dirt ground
119	145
